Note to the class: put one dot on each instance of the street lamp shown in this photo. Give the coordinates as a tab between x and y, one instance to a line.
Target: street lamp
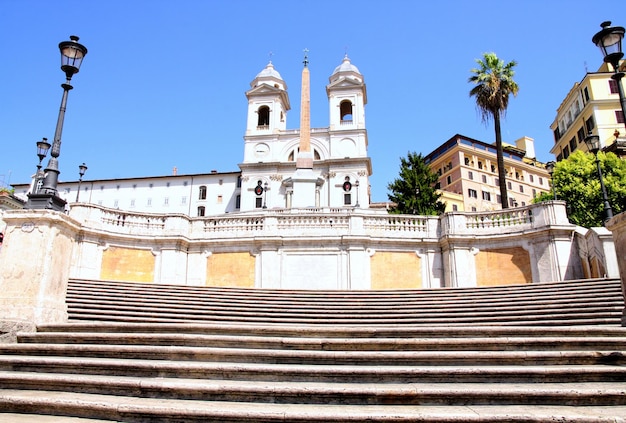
42	151
593	144
609	39
81	172
356	184
265	195
550	168
72	54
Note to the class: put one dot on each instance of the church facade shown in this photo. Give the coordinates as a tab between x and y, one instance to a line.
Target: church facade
339	169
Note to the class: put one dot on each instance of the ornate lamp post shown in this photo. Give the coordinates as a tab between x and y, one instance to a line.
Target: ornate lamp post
356	184
81	172
609	39
593	144
72	54
550	168
42	151
265	195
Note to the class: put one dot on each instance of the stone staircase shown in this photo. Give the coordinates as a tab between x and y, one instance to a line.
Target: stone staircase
146	353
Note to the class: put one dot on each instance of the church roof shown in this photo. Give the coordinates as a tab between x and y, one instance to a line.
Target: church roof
346	66
269	72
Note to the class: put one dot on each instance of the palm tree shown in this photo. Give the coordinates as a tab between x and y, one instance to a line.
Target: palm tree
494	84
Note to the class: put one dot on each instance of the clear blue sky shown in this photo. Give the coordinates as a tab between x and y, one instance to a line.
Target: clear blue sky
163	83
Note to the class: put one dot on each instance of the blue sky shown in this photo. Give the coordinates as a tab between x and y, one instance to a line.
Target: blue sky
163	83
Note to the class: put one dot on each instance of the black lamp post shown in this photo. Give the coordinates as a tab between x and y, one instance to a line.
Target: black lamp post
593	144
72	54
42	151
550	168
265	195
609	39
81	172
356	184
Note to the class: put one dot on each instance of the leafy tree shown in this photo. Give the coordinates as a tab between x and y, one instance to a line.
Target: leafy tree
413	192
494	84
576	181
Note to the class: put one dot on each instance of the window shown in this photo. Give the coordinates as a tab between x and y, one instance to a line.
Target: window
438	185
486	196
219	199
565	152
149	202
557	134
183	200
467	161
590	124
347	199
509	185
531	178
221	181
480	165
586	94
238	202
613	86
258	202
345	111
449	179
132	202
116	203
474	209
472	193
572	144
264	117
619	116
470	175
540	180
493	168
521	188
202	194
238	181
201	211
455	207
534	193
484	177
166	201
581	135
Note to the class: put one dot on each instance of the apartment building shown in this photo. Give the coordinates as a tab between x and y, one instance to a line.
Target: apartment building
591	106
468	167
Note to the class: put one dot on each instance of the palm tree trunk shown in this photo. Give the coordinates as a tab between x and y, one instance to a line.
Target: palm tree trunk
501	170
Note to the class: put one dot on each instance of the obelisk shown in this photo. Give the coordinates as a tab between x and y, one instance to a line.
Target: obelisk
304	180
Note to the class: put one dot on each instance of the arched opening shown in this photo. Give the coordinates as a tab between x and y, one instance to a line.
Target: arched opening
345	111
202	194
201	211
264	117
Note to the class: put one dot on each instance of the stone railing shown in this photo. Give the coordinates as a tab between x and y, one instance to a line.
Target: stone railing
323	222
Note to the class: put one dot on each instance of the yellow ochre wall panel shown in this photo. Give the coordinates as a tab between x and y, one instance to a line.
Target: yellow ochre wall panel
507	266
230	270
127	264
396	270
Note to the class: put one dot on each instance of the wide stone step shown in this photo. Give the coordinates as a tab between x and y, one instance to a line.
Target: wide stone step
244	355
293	392
131	410
510	343
384	374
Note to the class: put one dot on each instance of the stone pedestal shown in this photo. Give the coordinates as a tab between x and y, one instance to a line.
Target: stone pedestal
617	225
34	266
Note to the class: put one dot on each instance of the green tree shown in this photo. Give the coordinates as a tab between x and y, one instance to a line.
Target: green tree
575	180
494	84
413	192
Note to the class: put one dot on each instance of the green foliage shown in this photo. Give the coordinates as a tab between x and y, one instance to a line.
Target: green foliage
413	192
576	181
493	80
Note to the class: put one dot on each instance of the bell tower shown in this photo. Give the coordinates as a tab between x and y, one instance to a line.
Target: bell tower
268	103
347	97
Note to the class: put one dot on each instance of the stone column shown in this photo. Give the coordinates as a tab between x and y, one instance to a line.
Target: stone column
617	225
35	265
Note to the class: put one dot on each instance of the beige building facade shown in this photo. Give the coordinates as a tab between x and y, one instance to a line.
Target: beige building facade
467	168
591	106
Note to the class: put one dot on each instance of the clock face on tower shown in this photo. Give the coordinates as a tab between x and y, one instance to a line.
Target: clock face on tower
261	150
